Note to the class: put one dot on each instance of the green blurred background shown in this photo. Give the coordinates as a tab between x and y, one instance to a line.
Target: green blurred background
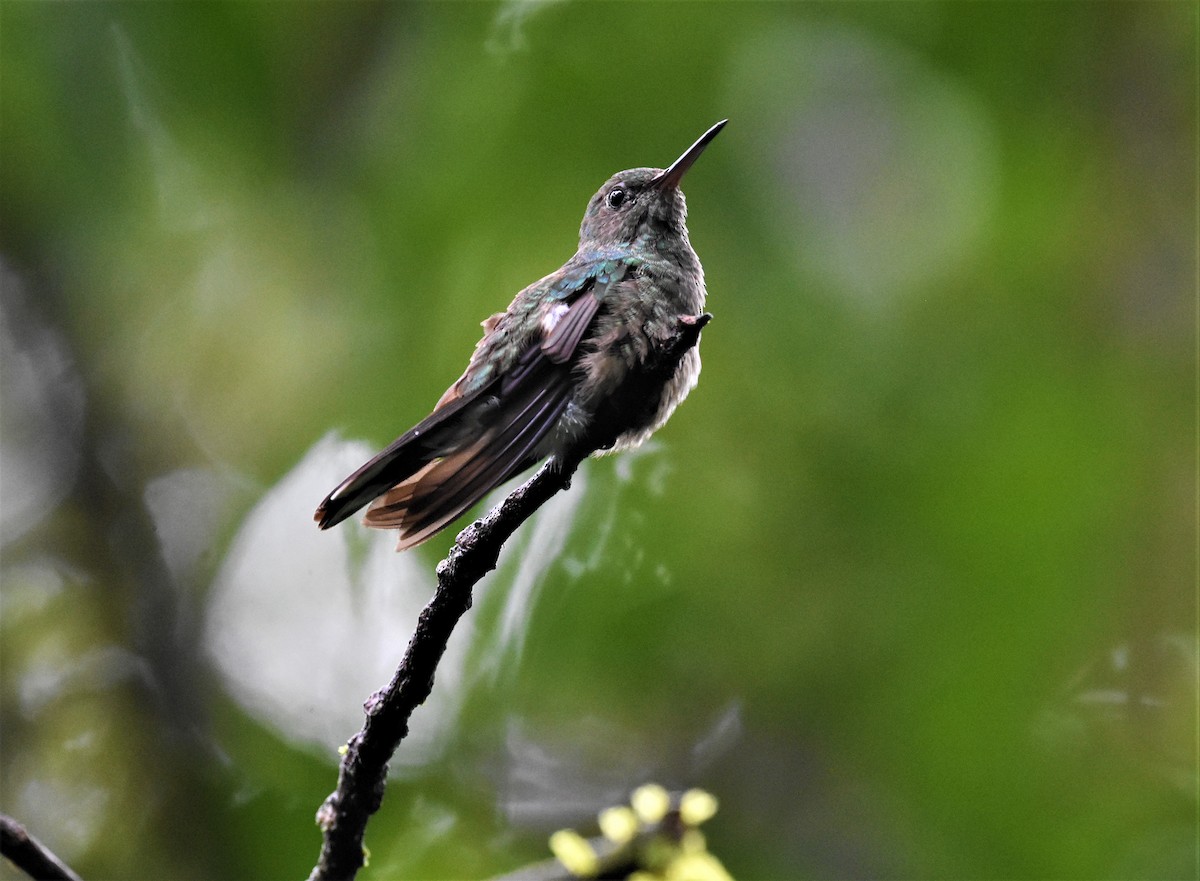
909	582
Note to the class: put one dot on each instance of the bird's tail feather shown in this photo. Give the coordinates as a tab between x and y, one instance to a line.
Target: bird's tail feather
442	431
439	493
469	446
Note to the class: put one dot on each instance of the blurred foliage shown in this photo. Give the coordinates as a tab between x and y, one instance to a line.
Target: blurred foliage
910	580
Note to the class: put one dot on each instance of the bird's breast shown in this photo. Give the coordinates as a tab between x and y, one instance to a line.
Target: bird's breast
615	402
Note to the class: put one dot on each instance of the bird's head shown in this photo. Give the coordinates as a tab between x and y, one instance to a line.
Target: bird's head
642	201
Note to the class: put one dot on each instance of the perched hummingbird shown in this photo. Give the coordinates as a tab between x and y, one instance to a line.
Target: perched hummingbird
558	373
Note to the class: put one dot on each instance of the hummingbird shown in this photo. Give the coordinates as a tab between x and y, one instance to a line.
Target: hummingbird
560	372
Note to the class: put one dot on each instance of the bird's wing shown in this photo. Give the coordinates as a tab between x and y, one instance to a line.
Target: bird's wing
444	488
562	341
475	440
560	345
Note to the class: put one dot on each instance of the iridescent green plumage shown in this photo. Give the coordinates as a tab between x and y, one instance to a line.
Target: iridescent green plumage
559	372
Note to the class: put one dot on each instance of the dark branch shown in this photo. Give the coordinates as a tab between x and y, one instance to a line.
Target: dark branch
30	855
362	778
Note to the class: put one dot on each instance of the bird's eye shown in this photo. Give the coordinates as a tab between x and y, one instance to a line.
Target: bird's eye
616	197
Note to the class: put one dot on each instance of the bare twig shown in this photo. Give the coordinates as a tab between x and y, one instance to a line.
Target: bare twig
362	778
30	855
344	814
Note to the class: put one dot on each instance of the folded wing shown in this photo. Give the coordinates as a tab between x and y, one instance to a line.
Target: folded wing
469	445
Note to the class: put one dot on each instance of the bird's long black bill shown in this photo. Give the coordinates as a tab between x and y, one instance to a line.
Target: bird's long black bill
673	175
